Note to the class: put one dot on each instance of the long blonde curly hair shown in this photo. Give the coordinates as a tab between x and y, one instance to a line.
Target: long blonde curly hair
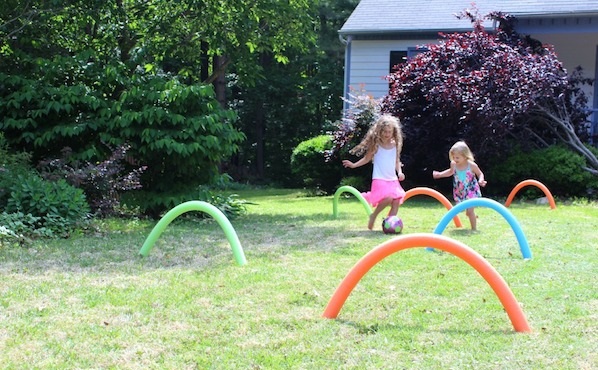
373	138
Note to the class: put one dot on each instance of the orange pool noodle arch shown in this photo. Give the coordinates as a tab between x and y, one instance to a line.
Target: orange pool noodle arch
535	183
434	194
483	267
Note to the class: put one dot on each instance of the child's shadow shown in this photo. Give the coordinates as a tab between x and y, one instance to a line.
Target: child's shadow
462	232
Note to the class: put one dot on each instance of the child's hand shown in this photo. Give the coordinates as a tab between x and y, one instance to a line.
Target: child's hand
348	163
482	183
435	174
401	176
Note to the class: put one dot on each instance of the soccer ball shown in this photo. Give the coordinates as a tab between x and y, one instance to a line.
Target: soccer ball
392	225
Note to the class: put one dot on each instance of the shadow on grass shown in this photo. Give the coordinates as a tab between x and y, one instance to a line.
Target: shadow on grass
379	327
200	243
192	244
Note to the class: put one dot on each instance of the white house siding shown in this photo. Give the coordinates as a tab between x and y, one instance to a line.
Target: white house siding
370	61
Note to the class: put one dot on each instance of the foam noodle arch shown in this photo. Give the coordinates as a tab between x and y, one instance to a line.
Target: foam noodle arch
535	183
352	190
196	205
434	194
489	203
483	267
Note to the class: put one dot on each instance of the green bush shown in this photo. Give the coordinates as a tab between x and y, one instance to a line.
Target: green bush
175	128
156	204
59	206
357	182
230	205
18	228
12	165
308	161
557	167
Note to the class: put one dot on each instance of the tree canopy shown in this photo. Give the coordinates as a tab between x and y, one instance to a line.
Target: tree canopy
94	74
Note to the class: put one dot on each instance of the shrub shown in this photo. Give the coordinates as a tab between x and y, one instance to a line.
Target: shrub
230	205
103	183
59	206
19	228
357	182
12	165
557	167
155	205
309	162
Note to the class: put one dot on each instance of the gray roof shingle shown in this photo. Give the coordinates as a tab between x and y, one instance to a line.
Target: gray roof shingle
378	16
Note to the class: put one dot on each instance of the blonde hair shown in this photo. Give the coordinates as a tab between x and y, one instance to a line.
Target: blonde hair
460	147
373	138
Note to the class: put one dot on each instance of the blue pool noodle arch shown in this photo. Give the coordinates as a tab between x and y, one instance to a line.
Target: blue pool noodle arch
489	203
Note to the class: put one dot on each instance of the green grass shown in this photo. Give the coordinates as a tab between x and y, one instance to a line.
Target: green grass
93	302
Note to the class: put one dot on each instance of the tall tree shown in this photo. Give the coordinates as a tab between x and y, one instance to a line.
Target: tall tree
294	101
83	73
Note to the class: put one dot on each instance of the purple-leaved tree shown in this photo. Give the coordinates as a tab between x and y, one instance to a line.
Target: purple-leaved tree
491	89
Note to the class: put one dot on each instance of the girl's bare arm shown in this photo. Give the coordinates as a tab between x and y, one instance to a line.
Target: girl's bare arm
446	173
476	169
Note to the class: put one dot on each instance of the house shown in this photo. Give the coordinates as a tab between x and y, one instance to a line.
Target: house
381	33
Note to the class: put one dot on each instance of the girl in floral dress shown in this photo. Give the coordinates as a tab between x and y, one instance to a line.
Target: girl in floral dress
467	177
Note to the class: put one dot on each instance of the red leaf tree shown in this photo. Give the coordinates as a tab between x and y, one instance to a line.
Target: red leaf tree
493	90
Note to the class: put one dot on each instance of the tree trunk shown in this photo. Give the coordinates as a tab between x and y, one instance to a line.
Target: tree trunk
220	63
204	72
259	139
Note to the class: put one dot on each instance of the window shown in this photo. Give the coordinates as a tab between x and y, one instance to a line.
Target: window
398	57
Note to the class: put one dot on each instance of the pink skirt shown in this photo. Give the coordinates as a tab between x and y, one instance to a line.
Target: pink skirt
383	189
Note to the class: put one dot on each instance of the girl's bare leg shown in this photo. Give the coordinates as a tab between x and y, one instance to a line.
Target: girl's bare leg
394	207
383	204
472	218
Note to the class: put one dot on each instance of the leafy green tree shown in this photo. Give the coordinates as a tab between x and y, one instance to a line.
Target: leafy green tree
295	101
88	73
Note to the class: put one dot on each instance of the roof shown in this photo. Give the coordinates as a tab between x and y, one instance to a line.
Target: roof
394	16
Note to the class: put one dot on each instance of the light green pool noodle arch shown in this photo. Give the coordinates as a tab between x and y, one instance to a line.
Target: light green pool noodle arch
352	190
196	205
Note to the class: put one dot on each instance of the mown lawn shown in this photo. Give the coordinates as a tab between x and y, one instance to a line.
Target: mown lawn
92	302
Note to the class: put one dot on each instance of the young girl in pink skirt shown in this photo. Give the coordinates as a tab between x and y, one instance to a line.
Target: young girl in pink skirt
382	144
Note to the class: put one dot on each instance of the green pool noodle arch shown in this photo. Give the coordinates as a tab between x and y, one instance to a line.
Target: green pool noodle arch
352	190
196	205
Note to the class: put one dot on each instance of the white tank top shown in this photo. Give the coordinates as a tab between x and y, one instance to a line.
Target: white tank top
385	164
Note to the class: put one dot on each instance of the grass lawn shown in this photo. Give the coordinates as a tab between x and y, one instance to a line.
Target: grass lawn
92	302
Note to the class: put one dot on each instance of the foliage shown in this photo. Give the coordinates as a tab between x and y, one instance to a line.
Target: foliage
102	182
230	205
309	163
557	167
155	205
358	182
283	64
361	113
60	207
291	102
12	165
19	228
158	116
83	75
483	88
8	237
